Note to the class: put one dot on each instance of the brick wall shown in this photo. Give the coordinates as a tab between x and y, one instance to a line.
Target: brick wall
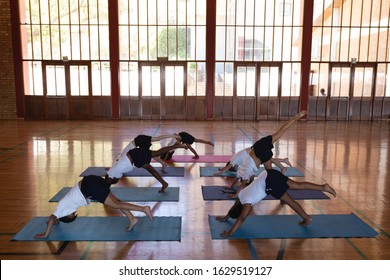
7	84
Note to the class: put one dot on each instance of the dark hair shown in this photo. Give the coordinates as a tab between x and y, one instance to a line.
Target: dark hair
67	219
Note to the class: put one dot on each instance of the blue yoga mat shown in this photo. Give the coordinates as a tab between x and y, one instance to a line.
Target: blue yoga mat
221	193
208	171
104	229
136	172
130	194
286	226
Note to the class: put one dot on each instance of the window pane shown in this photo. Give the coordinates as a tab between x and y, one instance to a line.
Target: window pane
94	39
134	54
174	81
55	80
363	82
356	13
230	45
200	12
231	12
96	79
286	43
259	44
380	89
279	40
152	17
224	79
103	11
246	77
344	45
84	35
44	10
240	12
33	78
129	79
79	81
150	74
75	31
340	82
133	12
221	12
201	79
104	42
172	13
152	43
46	43
220	43
269	81
106	79
65	40
260	12
162	41
36	42
249	44
55	42
172	40
143	40
162	12
93	11
201	43
291	79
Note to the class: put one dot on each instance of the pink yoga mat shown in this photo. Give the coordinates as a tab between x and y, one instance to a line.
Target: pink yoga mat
202	158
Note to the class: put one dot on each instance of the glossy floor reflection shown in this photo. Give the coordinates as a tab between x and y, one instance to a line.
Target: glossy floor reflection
38	158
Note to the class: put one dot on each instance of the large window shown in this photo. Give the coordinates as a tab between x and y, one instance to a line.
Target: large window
258	31
64	30
351	32
172	30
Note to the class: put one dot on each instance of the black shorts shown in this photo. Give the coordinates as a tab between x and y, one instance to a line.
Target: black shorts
263	148
236	210
276	183
186	138
140	156
95	188
143	141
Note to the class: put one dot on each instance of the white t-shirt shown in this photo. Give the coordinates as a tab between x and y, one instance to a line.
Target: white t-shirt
120	167
71	202
255	192
129	147
247	169
239	157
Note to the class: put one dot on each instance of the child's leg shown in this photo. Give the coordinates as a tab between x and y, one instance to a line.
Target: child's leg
163	163
204	142
287	125
115	203
294	185
132	219
286	198
193	151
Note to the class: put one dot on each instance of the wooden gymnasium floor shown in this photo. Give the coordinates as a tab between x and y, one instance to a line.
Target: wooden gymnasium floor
38	158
